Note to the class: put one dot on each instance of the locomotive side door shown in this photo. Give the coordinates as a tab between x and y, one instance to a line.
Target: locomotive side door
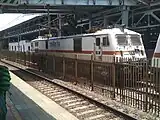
98	47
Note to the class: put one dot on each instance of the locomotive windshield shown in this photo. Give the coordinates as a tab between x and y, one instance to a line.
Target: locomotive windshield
122	39
135	40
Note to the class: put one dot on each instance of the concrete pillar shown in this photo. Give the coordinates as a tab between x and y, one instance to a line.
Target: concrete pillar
19	38
105	21
1	44
1	11
148	19
125	15
60	25
8	41
49	20
132	19
90	22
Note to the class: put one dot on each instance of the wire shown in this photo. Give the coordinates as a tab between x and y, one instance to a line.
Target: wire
15	20
11	21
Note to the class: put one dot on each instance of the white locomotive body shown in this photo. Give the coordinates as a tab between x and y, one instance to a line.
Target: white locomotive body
156	55
22	46
103	45
39	44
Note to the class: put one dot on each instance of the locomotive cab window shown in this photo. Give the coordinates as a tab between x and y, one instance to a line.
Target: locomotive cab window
97	41
105	41
122	39
136	39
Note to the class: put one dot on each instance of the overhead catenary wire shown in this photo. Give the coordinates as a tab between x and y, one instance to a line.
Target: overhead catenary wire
15	21
11	21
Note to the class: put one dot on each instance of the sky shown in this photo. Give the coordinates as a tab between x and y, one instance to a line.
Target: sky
8	20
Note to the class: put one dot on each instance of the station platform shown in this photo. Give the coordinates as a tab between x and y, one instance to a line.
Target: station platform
26	103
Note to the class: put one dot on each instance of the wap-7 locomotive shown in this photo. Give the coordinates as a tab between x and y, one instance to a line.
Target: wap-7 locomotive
102	45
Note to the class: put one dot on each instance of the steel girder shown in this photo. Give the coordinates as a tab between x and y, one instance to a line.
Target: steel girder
9	2
60	6
24	8
115	15
71	2
136	15
146	17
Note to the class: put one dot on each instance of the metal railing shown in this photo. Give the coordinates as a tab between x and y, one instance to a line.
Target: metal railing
134	83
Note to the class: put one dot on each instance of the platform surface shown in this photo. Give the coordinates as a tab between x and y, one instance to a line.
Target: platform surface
26	103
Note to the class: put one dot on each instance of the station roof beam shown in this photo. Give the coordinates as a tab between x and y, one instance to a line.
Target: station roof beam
71	2
146	2
9	1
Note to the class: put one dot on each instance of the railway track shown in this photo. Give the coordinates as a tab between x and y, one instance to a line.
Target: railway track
82	106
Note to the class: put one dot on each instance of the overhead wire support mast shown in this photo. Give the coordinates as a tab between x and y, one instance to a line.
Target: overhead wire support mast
49	21
49	26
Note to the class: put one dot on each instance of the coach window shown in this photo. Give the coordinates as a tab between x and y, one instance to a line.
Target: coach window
97	41
23	48
46	44
105	41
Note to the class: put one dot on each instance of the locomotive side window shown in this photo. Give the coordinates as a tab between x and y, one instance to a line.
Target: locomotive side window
142	52
36	44
29	48
97	41
77	44
58	44
46	44
105	41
